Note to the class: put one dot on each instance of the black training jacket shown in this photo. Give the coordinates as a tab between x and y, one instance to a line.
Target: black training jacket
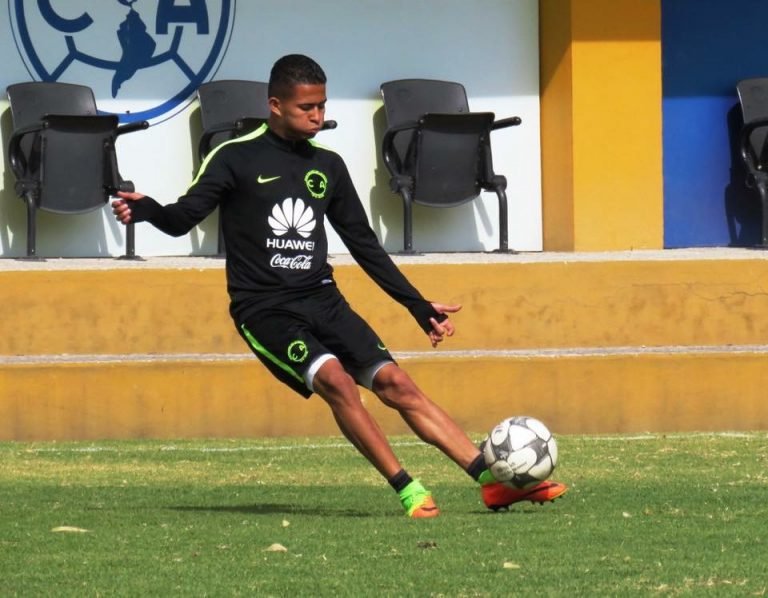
274	196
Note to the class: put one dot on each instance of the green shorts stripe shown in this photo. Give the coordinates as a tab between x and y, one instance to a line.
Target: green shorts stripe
262	350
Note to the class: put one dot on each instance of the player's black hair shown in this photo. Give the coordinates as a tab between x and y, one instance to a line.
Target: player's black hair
292	70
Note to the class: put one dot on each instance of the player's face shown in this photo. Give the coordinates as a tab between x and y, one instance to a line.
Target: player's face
301	114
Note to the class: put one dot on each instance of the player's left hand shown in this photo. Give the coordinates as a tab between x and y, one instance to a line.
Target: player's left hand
121	207
444	328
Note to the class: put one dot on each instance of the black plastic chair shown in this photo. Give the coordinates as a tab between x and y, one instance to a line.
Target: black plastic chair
62	153
753	97
437	152
231	108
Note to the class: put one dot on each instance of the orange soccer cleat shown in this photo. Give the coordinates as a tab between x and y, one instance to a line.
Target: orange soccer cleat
498	496
426	509
418	502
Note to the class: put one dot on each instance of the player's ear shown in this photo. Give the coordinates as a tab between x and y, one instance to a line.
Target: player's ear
275	106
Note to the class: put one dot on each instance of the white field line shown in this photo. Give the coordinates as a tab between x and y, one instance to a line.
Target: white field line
202	449
402	355
346	446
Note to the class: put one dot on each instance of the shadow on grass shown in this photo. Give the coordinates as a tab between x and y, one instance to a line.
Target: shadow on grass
323	511
277	508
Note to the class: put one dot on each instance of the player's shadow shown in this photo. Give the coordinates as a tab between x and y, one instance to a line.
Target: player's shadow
519	510
276	508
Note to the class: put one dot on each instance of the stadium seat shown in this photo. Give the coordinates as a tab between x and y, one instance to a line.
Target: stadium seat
62	153
437	152
753	97
230	108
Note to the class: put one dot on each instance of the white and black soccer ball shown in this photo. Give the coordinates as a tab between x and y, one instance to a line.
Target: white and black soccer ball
520	452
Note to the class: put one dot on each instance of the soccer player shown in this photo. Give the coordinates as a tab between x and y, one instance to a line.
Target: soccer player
275	188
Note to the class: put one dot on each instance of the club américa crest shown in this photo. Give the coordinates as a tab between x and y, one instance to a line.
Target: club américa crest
144	59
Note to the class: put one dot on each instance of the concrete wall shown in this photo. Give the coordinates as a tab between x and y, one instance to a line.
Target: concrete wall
632	91
492	48
708	47
611	71
601	125
634	344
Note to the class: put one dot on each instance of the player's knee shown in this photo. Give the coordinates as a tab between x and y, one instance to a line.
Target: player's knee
334	384
396	388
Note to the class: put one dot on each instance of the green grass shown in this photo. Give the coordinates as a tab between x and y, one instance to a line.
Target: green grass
650	515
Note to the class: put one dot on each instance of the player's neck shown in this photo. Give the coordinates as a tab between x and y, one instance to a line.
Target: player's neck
279	129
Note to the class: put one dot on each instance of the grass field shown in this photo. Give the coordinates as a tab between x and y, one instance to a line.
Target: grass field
646	515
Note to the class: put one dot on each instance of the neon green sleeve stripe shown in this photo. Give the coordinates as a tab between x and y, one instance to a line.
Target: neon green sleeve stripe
261	350
321	146
252	135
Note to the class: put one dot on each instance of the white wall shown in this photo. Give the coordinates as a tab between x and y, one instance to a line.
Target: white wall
491	46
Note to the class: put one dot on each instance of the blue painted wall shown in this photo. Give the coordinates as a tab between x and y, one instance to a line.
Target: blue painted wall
707	47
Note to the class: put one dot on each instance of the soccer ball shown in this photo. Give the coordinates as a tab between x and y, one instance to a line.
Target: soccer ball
520	452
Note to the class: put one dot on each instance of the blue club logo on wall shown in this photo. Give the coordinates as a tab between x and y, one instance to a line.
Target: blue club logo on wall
144	59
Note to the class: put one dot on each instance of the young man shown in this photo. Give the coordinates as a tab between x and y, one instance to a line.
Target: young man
275	188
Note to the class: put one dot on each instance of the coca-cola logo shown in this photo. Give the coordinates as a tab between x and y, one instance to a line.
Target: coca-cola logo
296	262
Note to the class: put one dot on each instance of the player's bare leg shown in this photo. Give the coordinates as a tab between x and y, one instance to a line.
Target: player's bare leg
340	391
434	426
396	389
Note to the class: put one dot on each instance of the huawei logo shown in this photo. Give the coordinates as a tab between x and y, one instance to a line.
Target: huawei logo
292	214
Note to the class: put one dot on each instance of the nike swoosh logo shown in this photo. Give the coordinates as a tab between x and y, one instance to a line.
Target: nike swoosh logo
269	179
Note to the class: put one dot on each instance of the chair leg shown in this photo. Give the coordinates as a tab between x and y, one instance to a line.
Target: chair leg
762	187
130	243
130	240
31	201
407	222
503	220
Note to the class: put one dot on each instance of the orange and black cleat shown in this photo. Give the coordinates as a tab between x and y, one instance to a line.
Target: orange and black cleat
497	496
418	502
426	509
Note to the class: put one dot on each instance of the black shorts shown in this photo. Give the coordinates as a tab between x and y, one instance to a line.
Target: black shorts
297	336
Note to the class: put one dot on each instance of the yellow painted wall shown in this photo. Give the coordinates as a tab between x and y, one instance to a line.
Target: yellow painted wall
138	349
576	394
513	305
556	82
601	124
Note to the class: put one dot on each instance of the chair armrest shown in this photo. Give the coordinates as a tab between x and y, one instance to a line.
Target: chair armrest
747	151
251	123
503	123
132	127
120	185
204	146
15	156
247	123
391	159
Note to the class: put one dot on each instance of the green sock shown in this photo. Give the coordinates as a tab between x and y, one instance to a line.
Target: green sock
486	478
412	495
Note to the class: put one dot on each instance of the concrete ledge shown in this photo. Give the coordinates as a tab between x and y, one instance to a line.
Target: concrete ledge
591	343
510	302
590	391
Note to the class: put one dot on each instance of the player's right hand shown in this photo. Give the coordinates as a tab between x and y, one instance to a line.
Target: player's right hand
121	207
444	328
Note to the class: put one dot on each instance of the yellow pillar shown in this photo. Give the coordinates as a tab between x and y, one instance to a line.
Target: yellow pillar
601	125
